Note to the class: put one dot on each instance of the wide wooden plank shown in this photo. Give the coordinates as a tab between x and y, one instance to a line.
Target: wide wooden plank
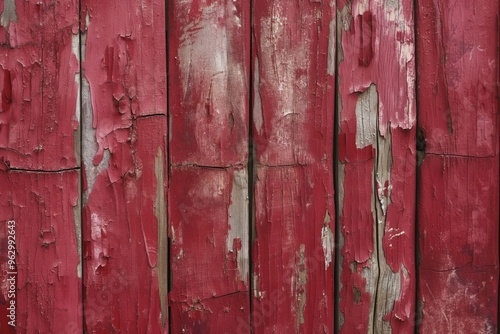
124	153
46	211
209	46
39	117
459	183
39	166
377	167
293	108
209	249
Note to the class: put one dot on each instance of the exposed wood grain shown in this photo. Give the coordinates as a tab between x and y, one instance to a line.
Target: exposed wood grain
209	60
376	98
124	153
294	65
459	183
39	163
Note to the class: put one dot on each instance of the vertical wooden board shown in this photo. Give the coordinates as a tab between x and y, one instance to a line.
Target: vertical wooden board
293	251
459	182
458	286
294	65
209	249
209	43
377	172
125	238
39	163
124	153
209	60
45	208
39	119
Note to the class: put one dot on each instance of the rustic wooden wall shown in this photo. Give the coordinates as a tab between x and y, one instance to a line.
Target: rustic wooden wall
262	166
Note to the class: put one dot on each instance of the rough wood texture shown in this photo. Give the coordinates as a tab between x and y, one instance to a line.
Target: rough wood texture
459	183
377	167
45	208
39	118
293	108
39	159
209	59
124	153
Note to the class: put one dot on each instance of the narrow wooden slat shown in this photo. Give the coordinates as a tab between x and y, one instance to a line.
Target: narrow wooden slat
294	64
377	167
459	183
209	59
39	165
124	153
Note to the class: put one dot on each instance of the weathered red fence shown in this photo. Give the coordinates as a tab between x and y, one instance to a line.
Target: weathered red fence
260	166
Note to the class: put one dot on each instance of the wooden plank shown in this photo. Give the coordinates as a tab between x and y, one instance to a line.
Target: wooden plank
209	252
459	183
377	167
39	119
209	89
294	65
45	208
39	165
124	153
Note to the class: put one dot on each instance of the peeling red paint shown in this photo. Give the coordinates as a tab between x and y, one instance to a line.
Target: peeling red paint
376	148
125	169
39	159
209	62
48	287
459	182
207	281
294	58
38	91
216	273
289	246
209	67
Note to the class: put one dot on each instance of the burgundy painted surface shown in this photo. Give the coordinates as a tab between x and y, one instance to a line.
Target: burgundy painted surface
209	60
459	183
38	150
293	108
209	293
125	173
92	165
377	167
38	119
48	286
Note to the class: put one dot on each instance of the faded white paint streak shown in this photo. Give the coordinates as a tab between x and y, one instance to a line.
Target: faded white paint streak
208	61
77	218
366	117
89	143
288	73
161	217
331	48
327	240
383	173
238	221
99	251
9	13
256	292
258	118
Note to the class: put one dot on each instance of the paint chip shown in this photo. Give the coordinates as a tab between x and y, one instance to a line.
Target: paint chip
238	222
